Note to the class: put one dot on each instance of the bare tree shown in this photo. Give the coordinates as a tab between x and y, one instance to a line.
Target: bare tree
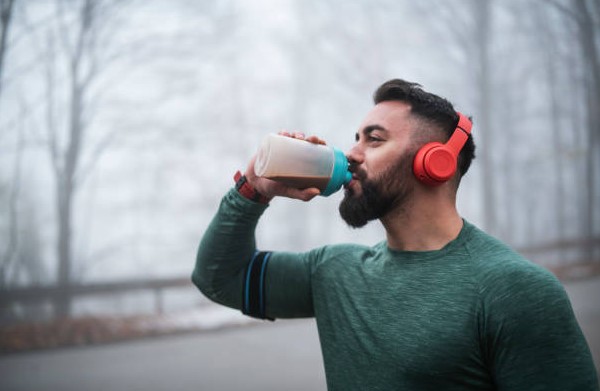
79	45
467	27
585	17
6	9
12	235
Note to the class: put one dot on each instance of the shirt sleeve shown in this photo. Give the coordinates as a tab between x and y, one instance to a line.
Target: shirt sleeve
231	271
532	338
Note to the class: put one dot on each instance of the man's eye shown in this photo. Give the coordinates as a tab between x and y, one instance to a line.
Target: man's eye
374	138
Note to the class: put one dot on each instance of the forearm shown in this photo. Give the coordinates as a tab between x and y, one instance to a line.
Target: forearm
226	248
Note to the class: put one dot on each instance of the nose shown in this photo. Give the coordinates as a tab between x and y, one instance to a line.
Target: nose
355	155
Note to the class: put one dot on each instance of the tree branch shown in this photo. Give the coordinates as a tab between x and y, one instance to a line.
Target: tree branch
5	19
50	121
564	10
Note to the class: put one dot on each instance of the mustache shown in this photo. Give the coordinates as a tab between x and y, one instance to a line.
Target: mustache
357	173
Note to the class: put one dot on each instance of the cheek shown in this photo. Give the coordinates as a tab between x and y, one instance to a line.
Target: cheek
376	162
399	173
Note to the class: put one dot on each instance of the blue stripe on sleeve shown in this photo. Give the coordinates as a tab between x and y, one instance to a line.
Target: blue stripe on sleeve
247	292
262	286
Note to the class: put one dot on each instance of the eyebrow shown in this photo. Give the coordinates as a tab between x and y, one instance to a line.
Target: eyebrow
370	129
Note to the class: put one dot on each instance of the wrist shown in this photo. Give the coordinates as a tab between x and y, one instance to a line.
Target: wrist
246	190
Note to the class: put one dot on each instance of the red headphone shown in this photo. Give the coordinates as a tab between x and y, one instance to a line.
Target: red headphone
435	162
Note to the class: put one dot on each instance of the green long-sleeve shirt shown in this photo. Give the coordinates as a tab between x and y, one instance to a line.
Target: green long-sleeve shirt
471	316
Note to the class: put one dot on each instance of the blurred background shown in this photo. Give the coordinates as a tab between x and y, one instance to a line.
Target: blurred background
123	122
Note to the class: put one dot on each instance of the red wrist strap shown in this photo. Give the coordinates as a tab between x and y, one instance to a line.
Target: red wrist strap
246	189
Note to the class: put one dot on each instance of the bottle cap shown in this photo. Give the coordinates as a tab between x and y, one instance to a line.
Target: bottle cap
340	175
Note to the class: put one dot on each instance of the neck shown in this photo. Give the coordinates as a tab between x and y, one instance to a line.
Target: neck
428	222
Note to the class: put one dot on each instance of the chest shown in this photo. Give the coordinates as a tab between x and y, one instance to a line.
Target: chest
407	323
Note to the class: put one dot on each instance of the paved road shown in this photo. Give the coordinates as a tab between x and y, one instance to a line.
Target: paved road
273	356
283	355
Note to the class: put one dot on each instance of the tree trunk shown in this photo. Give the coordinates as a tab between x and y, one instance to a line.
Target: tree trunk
588	34
12	237
66	178
64	207
6	7
484	122
66	194
547	37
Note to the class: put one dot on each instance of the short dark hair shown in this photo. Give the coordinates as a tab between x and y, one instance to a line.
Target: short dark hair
433	109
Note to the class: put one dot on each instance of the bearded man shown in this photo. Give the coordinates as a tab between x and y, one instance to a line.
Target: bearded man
438	304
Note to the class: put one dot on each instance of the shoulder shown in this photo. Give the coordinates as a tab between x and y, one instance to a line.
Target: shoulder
511	285
525	316
525	322
494	262
341	254
343	250
505	278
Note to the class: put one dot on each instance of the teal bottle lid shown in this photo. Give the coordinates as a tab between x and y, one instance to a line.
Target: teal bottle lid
340	175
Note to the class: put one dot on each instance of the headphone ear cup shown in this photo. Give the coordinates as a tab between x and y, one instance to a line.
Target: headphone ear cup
419	163
434	164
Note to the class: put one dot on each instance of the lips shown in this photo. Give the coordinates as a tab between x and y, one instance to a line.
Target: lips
353	185
357	176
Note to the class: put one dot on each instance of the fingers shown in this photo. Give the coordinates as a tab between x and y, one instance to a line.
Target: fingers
298	135
270	188
250	167
301	136
316	140
304	195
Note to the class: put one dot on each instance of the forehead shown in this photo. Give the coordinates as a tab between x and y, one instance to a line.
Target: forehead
394	116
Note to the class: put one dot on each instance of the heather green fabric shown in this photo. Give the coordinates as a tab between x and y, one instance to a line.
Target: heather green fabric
472	316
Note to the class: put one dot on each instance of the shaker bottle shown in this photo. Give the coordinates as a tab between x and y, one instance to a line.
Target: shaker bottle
302	164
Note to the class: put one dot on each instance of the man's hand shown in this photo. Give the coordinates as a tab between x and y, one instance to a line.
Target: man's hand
270	188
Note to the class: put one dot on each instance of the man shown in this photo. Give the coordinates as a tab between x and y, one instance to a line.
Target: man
438	305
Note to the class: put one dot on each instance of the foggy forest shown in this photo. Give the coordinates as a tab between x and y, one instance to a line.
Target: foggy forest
123	122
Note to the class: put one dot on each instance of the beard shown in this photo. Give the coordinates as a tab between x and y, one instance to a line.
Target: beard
390	190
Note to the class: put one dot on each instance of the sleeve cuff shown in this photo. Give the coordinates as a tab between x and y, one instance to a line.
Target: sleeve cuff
246	189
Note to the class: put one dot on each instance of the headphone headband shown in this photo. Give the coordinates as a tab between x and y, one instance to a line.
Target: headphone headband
464	123
460	135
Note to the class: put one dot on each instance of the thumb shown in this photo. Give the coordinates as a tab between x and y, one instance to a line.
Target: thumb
304	194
